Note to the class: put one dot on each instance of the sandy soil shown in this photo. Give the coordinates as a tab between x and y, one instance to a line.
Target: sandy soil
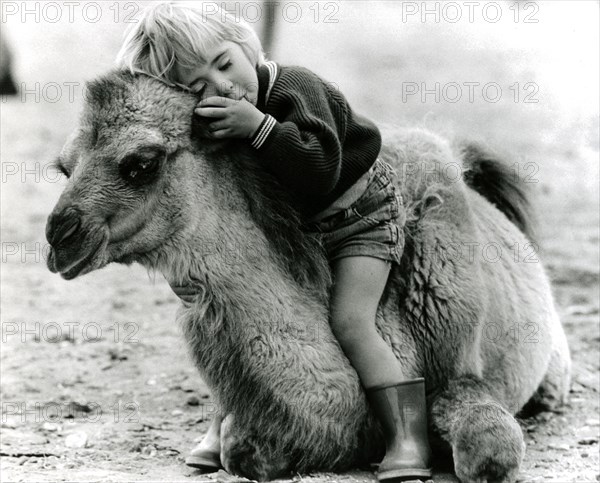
96	382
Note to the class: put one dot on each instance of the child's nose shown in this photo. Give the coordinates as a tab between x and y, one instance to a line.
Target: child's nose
211	90
218	90
225	88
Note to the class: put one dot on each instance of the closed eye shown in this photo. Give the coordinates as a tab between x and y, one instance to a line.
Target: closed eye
225	66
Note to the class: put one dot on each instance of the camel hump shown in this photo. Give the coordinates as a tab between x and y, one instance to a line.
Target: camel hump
499	184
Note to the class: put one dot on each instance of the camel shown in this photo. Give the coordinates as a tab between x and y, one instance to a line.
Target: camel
478	324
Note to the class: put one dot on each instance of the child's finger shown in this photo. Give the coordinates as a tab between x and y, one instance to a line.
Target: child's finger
217	126
221	133
217	112
216	101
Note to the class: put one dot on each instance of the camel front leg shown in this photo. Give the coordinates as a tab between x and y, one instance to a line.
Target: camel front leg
246	453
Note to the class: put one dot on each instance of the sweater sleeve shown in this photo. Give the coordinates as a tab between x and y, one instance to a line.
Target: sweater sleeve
304	148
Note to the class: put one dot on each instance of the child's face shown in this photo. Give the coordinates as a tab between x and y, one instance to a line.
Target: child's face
227	73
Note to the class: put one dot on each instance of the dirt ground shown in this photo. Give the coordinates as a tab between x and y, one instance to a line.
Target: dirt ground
96	382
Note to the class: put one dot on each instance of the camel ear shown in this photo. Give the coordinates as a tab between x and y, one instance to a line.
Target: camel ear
68	153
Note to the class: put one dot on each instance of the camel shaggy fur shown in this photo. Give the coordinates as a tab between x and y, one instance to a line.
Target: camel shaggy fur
465	309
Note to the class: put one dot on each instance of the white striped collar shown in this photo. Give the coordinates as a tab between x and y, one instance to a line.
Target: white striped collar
272	67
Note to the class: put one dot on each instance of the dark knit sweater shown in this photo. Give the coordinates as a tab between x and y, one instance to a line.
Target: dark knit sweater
311	139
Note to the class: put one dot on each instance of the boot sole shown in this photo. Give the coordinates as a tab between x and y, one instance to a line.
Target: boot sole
396	476
209	462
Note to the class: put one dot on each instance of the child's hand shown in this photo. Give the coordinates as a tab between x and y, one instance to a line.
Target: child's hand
232	119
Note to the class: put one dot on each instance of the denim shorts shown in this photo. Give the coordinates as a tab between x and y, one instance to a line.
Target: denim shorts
372	226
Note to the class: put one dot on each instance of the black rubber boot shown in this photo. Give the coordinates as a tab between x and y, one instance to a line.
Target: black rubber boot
402	412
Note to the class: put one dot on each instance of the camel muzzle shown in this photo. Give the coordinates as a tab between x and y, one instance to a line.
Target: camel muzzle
62	225
73	243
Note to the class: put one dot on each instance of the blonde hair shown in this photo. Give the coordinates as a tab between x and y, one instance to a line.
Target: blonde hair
178	32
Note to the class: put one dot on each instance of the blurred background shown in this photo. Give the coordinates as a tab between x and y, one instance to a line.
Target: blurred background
521	77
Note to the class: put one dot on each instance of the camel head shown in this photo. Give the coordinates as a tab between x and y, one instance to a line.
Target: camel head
131	177
144	187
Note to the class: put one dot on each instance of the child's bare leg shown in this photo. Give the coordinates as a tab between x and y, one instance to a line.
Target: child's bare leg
358	286
398	404
206	455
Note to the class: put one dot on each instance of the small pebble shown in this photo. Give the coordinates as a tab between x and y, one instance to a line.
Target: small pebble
193	401
593	422
151	382
51	426
588	440
582	310
76	440
559	447
176	412
136	427
149	450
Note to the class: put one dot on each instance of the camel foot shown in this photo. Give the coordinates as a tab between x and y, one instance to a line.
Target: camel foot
488	445
246	454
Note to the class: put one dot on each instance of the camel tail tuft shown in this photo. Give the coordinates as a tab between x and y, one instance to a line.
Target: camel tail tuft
500	185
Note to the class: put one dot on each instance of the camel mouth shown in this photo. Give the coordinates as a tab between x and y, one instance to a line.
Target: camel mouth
89	262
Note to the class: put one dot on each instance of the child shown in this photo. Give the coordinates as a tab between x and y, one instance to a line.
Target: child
326	155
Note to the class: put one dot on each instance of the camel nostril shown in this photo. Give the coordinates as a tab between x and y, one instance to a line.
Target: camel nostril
61	227
70	230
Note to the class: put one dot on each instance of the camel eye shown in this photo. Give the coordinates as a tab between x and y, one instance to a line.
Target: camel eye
141	167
